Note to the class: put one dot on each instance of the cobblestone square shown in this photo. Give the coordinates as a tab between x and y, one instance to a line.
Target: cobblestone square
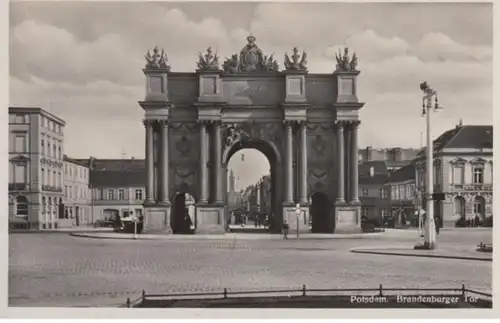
61	270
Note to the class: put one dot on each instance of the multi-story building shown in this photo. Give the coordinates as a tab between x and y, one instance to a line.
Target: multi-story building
117	187
373	194
463	172
77	197
36	146
403	195
395	157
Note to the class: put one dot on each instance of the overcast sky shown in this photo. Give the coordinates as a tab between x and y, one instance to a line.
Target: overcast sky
83	61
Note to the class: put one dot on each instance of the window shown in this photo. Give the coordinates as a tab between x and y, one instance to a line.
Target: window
478	175
393	192
365	211
70	171
59	153
138	194
20	174
59	182
365	192
43	176
54	150
43	147
66	191
383	193
401	192
383	212
20	144
54	183
458	175
18	118
22	205
110	194
65	169
121	194
48	147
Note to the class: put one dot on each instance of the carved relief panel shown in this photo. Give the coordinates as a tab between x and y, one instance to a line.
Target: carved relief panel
184	157
320	159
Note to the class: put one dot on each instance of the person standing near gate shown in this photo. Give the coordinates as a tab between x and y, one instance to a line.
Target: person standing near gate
286	227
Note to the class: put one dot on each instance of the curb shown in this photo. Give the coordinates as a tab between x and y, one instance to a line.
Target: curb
230	236
388	253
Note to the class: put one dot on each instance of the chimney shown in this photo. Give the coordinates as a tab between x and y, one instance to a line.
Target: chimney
372	171
369	153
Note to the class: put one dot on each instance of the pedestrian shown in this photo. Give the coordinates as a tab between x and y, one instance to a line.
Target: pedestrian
286	227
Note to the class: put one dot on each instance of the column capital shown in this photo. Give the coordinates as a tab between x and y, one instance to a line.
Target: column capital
340	124
353	123
289	123
202	123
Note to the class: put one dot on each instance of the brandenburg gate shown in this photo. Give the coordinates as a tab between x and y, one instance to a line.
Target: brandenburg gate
305	124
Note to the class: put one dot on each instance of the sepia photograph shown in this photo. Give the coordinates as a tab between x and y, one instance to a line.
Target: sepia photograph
224	155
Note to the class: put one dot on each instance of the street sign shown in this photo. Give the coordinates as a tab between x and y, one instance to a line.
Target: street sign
297	209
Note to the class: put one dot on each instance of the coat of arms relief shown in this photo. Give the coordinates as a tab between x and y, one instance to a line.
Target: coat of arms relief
250	59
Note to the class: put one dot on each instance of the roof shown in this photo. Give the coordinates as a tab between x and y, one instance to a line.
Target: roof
469	136
376	179
406	173
36	110
115	164
399	163
118	178
75	161
379	167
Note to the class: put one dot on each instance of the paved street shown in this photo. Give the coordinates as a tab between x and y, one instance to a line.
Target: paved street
56	269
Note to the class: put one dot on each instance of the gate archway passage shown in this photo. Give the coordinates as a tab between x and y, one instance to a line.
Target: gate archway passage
306	124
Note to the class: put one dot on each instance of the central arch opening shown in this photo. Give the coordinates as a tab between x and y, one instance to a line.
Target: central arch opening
252	199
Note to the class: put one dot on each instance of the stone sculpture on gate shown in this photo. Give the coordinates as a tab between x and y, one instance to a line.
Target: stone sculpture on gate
156	59
343	63
297	63
251	59
208	61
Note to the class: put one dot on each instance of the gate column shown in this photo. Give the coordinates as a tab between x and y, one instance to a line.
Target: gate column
156	107
347	106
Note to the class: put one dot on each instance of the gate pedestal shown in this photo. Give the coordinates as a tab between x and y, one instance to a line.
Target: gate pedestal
157	219
291	217
347	218
210	219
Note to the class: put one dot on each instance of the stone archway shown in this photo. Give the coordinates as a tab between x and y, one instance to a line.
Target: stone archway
193	121
271	152
321	214
182	219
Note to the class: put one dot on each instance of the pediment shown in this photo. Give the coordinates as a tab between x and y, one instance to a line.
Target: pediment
19	159
478	161
458	161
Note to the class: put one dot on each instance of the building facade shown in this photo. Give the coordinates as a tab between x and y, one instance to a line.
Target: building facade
403	196
36	147
395	156
374	195
463	172
77	198
117	188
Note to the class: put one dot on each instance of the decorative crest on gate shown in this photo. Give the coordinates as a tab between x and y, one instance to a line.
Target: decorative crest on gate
343	63
251	59
156	59
208	61
296	63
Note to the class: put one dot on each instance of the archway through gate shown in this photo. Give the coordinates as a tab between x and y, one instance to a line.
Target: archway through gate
306	124
263	199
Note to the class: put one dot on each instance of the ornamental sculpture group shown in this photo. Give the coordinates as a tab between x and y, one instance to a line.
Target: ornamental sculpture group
250	59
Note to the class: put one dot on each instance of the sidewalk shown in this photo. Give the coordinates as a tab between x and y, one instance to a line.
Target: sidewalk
226	236
65	230
439	252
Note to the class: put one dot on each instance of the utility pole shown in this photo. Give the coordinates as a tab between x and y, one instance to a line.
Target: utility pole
430	226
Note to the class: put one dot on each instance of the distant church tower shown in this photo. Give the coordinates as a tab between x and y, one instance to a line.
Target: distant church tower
231	182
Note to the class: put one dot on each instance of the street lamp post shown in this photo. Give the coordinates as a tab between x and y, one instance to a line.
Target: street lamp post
429	228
